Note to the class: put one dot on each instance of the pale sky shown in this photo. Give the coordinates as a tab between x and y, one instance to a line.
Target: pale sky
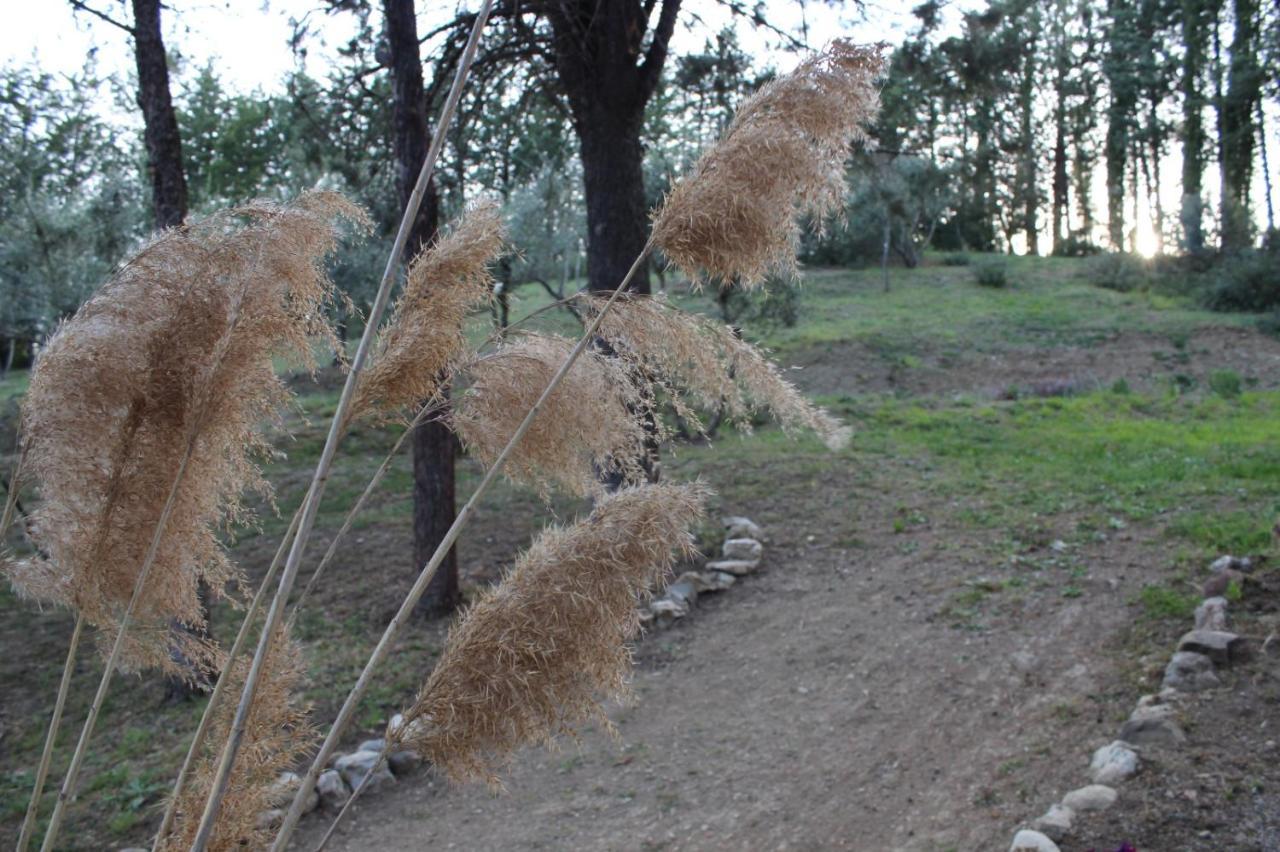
247	39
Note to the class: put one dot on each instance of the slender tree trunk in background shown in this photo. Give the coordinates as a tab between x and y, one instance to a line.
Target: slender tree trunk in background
1120	79
608	75
1061	185
1266	166
1028	176
1194	39
1238	130
160	122
434	446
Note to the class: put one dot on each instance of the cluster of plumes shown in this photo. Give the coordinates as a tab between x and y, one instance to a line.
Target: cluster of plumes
174	352
688	355
735	216
591	426
424	338
278	733
533	658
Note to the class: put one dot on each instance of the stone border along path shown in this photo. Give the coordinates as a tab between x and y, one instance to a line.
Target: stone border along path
740	556
1151	725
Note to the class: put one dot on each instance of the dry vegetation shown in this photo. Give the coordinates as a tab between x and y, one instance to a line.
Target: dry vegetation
531	659
144	422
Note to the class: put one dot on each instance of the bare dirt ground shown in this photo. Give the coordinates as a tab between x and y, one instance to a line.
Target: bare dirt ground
825	703
1146	362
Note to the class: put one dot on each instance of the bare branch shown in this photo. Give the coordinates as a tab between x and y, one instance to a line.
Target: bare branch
82	7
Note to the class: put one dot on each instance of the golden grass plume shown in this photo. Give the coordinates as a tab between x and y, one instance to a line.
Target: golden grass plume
591	425
533	658
734	217
177	347
424	339
278	733
693	355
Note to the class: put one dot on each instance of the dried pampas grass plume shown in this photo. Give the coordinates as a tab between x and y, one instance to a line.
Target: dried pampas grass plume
734	217
688	354
424	339
278	734
533	657
588	427
175	349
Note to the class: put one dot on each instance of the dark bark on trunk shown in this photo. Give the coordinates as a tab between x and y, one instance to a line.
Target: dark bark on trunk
1238	131
613	178
169	204
434	446
608	76
1194	40
164	146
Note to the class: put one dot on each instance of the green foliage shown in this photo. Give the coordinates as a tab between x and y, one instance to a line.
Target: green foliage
1164	602
70	197
991	272
1248	281
958	258
1225	383
1119	271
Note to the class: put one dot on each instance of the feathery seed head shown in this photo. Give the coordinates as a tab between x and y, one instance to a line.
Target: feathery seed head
535	655
423	340
591	424
278	732
688	354
783	155
175	349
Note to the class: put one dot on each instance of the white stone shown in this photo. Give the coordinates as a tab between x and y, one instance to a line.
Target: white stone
1056	824
1218	645
1032	841
371	745
1095	797
1190	672
736	567
706	581
739	527
333	790
747	549
1212	614
353	768
285	787
1113	763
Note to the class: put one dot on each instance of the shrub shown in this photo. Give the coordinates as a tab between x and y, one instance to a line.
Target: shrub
955	259
1119	271
1249	282
991	272
1225	383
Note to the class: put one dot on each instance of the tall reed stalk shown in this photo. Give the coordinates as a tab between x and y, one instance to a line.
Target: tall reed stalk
220	688
323	467
46	756
433	564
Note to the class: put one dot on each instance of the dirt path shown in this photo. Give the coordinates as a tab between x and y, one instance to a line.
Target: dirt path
827	702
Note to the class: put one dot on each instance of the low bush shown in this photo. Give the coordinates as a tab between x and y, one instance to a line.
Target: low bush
991	272
1248	282
1119	271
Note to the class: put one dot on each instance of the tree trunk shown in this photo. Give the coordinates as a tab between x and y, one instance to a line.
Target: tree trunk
608	75
169	205
613	178
1193	57
1238	131
1122	80
160	123
1266	168
434	446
